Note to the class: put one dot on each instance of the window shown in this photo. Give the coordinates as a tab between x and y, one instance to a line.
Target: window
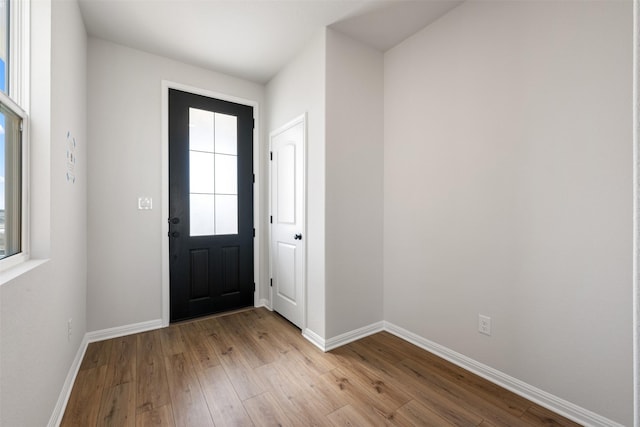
4	44
13	80
10	182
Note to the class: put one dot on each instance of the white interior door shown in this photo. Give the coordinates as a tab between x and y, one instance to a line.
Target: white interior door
287	220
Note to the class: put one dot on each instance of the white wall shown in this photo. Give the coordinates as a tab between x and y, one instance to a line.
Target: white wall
354	184
300	88
508	192
36	355
124	127
636	243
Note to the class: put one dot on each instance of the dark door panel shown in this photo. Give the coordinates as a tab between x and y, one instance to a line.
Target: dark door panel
210	205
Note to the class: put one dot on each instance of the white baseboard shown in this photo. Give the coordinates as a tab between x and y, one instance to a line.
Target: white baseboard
264	303
121	331
541	397
89	337
314	338
354	335
342	339
63	398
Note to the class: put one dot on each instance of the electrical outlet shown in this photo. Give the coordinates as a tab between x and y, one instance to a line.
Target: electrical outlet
484	324
69	326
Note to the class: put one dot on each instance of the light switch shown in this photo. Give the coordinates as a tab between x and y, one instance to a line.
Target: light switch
145	203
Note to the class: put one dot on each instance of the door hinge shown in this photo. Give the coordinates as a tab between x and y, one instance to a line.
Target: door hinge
270	155
270	219
271	282
254	232
254	178
254	286
253	123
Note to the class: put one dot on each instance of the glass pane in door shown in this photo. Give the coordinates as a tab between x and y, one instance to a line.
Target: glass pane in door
226	130
226	214
201	173
213	173
201	207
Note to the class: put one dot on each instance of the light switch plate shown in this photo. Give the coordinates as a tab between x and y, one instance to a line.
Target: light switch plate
145	203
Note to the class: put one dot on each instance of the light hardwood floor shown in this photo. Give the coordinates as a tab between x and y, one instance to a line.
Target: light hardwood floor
253	368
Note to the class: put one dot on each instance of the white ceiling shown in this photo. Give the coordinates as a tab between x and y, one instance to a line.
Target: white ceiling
252	39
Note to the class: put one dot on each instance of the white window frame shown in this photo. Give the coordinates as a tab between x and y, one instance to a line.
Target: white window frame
18	101
19	52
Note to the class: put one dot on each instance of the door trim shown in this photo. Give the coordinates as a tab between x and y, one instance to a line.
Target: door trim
165	86
300	119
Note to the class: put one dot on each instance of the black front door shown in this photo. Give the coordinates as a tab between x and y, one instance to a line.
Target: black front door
210	205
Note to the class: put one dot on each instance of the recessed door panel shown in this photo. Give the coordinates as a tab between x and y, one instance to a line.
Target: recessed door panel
286	265
286	196
199	269
230	270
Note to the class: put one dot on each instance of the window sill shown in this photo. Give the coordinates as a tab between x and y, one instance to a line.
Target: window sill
18	270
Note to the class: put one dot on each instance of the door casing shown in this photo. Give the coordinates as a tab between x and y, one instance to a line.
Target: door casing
165	86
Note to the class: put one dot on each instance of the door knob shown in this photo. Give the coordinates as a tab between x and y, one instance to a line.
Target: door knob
174	220
298	237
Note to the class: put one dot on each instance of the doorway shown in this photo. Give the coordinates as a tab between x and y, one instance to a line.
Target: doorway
210	212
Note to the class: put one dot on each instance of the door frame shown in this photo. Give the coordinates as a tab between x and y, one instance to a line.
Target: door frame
299	119
165	86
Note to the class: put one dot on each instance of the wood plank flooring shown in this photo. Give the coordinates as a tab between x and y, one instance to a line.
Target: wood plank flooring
253	368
